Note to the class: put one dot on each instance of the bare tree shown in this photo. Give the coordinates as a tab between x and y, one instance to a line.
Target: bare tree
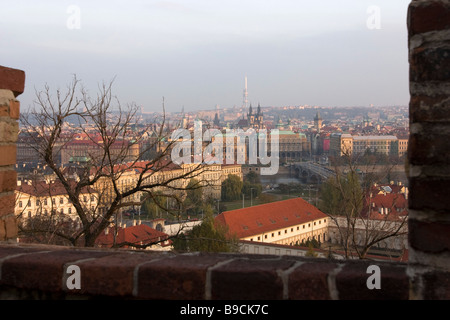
110	165
348	200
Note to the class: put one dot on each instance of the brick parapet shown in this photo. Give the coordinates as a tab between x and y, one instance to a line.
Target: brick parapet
41	272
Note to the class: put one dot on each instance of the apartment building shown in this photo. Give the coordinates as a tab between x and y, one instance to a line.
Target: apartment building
50	197
346	144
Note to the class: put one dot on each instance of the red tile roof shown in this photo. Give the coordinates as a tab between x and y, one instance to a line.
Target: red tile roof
54	188
267	217
140	234
394	206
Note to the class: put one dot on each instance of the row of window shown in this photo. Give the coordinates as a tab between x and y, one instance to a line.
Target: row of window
45	201
70	210
292	230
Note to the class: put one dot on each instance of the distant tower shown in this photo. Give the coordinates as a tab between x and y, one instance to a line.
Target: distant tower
318	121
245	101
259	117
250	116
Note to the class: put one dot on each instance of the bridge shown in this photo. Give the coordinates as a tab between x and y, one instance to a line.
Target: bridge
311	172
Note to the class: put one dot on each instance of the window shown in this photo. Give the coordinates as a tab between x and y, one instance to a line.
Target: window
38	203
20	204
29	203
62	211
61	200
70	210
84	198
272	234
265	236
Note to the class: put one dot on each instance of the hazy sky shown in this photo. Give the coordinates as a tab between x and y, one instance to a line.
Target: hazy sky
196	53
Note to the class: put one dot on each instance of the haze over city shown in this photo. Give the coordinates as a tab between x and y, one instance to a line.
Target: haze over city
197	53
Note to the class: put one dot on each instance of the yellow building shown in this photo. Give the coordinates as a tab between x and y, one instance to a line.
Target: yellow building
346	144
209	176
45	198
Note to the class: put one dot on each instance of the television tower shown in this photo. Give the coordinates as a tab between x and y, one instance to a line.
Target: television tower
245	102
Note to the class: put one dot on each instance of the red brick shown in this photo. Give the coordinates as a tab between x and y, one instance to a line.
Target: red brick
14	109
310	281
8	180
436	285
181	277
430	64
8	154
11	227
351	282
249	279
430	193
44	271
7	203
431	237
4	111
2	230
430	109
10	250
428	16
429	147
113	275
12	79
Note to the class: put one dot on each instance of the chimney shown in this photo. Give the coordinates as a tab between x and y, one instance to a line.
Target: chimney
106	230
19	183
134	222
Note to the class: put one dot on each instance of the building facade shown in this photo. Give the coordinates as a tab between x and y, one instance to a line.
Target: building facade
287	222
50	198
346	144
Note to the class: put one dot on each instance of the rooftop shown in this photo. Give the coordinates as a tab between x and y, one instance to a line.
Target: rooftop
262	218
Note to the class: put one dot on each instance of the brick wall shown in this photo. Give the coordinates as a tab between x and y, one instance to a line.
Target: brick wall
429	147
12	83
41	272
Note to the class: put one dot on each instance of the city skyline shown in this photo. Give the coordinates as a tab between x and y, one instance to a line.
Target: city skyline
196	54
